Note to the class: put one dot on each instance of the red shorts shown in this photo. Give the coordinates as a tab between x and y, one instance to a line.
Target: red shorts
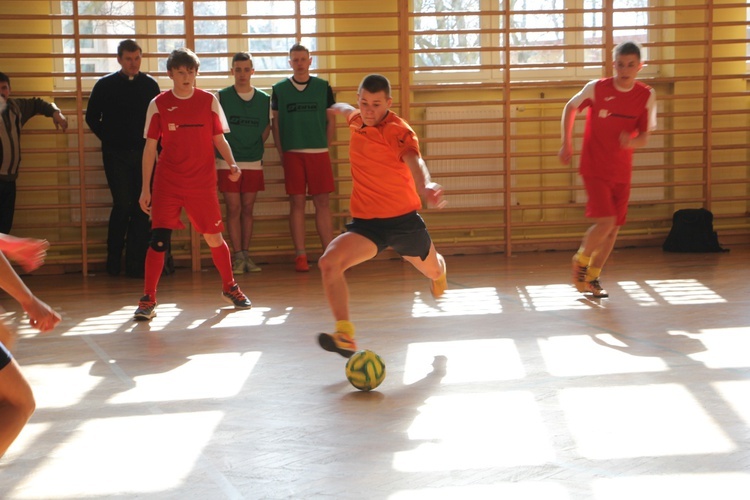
607	199
202	208
251	182
308	173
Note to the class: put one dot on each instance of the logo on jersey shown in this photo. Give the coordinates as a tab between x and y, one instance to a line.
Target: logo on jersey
174	126
172	108
244	121
302	107
609	98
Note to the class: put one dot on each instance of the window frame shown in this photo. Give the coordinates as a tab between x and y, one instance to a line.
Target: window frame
153	60
493	59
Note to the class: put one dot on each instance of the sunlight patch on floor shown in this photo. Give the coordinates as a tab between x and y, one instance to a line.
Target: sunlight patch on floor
458	302
200	376
735	393
159	450
240	318
724	347
685	292
476	431
637	293
579	355
463	361
68	386
521	490
555	297
726	486
641	421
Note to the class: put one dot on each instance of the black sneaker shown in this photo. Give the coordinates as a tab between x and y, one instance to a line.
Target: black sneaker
146	309
236	297
595	288
338	342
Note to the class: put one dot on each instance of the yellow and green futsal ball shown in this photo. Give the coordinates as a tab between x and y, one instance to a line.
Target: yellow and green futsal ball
365	370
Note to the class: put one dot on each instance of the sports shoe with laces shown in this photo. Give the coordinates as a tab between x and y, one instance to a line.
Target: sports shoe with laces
300	264
595	288
251	266
238	263
236	297
338	342
579	275
438	286
146	309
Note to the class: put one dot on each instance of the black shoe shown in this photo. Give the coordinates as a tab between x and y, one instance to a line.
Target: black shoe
114	265
146	309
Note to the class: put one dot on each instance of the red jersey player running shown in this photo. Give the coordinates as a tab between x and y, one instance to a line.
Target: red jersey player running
621	113
190	123
388	179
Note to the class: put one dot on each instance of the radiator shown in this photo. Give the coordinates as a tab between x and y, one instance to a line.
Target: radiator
448	153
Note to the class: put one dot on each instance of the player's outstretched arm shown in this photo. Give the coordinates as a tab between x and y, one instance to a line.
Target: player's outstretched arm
29	253
430	192
342	108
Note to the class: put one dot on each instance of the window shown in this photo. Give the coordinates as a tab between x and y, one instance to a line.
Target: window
271	24
454	38
273	31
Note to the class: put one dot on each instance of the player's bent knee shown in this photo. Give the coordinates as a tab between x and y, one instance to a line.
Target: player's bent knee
160	238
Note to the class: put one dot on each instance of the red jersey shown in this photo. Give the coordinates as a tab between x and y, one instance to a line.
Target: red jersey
382	184
186	127
611	112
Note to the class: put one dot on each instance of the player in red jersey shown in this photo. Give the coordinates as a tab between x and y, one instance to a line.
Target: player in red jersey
621	113
190	123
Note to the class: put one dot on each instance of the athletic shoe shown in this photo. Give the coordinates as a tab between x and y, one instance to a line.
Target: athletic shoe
146	309
579	275
236	297
300	264
338	342
595	288
251	266
438	286
239	263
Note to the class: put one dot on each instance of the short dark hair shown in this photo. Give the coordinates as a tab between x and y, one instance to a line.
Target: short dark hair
5	78
183	57
376	83
628	49
242	56
298	47
128	46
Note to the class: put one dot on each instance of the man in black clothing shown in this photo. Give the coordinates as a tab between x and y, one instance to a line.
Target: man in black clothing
116	113
14	113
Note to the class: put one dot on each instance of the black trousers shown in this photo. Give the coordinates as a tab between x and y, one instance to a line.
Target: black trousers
7	205
129	226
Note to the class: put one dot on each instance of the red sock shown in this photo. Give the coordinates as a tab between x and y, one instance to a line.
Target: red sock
154	266
222	258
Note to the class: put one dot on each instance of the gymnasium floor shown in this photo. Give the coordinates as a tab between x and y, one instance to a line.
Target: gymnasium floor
511	386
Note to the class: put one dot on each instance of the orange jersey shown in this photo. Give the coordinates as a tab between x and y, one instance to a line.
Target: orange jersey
382	184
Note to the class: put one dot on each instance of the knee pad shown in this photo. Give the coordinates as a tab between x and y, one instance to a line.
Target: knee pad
160	239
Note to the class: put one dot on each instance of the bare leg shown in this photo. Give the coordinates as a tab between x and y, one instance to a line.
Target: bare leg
345	251
432	267
297	221
232	201
248	204
16	404
323	222
596	238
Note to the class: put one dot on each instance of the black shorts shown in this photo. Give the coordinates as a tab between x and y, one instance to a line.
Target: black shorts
5	356
406	234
